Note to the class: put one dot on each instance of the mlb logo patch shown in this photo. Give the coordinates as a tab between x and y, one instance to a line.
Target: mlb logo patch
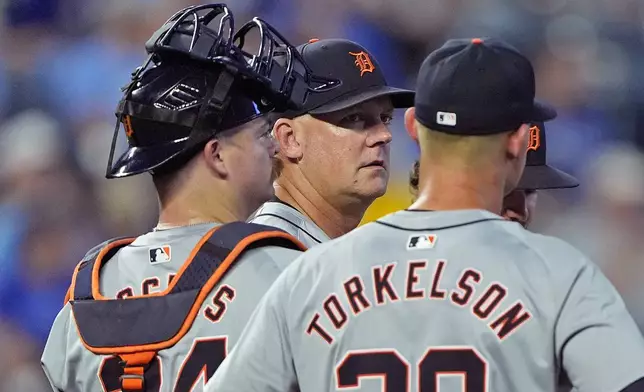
161	254
446	118
421	241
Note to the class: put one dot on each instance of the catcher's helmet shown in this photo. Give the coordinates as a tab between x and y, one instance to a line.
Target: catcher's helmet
199	80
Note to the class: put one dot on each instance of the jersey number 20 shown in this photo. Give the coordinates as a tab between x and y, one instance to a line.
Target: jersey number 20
394	370
201	362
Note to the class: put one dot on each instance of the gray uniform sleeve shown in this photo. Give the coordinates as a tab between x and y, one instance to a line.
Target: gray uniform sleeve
54	357
262	359
599	345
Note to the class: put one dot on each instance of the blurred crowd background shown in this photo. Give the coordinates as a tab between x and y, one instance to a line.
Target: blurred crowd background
62	63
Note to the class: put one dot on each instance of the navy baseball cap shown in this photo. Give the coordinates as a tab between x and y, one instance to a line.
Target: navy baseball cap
357	72
538	174
477	87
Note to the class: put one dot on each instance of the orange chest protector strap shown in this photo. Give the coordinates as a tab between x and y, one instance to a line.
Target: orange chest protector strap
136	328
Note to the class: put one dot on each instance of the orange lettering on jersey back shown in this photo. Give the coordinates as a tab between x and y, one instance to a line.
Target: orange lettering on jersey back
461	299
150	284
216	313
335	312
354	288
314	326
509	321
464	292
126	292
435	292
412	279
382	284
484	307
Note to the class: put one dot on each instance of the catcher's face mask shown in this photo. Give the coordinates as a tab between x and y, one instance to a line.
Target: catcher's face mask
199	79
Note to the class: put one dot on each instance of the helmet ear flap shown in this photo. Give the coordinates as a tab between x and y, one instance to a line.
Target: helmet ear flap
175	108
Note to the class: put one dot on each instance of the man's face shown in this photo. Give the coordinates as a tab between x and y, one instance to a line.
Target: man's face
251	149
346	153
519	206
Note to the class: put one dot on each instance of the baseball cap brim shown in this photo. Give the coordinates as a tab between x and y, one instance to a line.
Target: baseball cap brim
542	112
400	98
545	177
137	160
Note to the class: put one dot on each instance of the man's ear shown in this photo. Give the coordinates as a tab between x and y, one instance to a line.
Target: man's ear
284	131
518	142
410	123
214	157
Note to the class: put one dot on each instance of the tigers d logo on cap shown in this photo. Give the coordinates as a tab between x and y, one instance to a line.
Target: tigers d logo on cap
356	72
535	138
363	62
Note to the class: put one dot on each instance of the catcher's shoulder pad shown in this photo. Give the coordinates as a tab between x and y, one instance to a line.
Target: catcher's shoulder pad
157	321
86	264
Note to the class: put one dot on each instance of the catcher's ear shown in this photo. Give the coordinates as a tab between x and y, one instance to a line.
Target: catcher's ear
410	124
214	156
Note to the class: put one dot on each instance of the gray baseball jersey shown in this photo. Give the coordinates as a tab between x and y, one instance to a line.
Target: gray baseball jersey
429	301
147	266
289	219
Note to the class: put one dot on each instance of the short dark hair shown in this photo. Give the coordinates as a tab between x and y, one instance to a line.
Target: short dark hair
414	175
272	118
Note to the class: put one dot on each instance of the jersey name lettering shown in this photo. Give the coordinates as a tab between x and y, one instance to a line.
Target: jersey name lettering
214	310
467	292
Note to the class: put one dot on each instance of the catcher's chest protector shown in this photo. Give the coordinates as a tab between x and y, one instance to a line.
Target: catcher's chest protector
135	328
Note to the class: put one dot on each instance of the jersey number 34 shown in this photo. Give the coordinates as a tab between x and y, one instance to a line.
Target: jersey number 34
201	362
395	371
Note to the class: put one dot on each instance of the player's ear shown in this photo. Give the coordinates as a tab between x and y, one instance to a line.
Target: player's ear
410	123
214	157
284	131
517	146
